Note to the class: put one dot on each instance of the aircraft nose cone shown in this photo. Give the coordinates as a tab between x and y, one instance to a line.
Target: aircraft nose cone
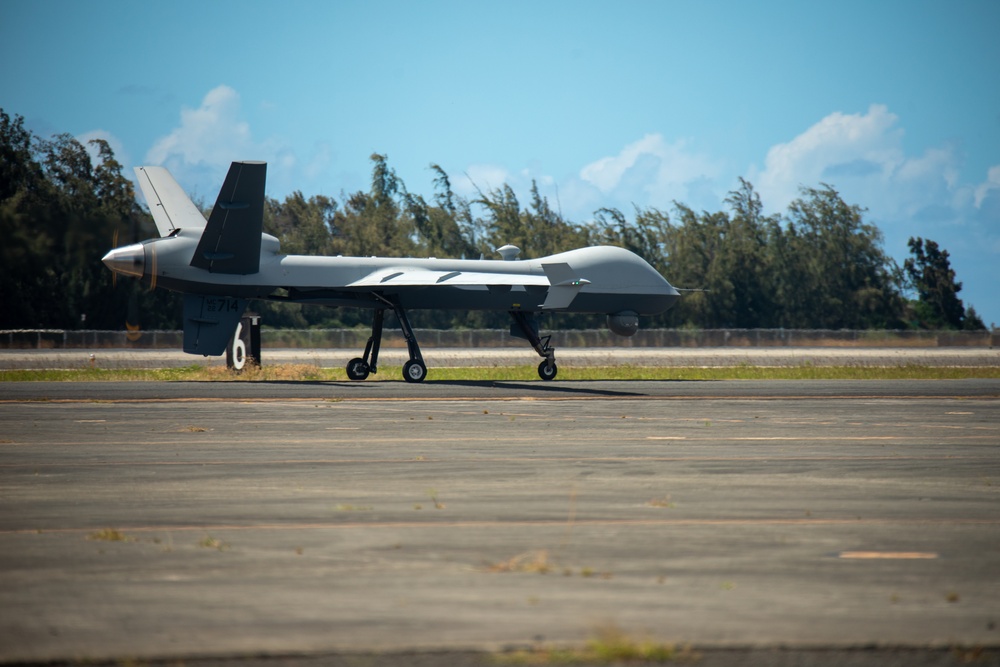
129	260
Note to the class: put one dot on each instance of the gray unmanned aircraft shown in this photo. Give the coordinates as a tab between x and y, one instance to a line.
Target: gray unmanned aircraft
222	263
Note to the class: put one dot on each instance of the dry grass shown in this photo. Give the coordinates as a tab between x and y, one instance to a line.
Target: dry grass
210	542
661	501
530	561
278	372
352	508
110	535
610	645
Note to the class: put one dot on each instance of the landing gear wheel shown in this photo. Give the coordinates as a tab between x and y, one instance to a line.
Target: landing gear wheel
414	371
357	369
547	372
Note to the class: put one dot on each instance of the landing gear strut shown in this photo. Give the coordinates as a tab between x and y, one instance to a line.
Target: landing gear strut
414	370
528	329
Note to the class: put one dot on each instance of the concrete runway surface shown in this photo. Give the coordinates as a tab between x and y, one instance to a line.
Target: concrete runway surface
850	522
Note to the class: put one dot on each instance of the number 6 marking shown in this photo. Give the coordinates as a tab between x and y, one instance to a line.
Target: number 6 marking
239	349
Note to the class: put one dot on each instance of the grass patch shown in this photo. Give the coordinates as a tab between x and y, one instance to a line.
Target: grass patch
352	508
609	646
103	375
276	372
305	372
110	535
532	561
661	501
539	562
433	495
210	542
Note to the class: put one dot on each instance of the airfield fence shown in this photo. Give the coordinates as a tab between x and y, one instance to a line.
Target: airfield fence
46	339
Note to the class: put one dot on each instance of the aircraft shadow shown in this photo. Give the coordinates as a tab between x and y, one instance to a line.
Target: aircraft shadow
565	388
519	387
536	387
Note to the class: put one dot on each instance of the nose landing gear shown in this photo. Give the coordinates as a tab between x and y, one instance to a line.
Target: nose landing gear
527	328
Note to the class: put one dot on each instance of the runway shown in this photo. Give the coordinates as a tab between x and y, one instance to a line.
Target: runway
167	521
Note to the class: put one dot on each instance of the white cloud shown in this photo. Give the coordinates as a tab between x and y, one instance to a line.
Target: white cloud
650	172
653	172
480	177
863	157
992	183
319	161
212	134
607	172
838	148
198	152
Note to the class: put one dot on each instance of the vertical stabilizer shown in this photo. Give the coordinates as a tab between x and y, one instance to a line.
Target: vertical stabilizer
231	241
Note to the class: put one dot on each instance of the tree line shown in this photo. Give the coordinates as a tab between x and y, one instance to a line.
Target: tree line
818	265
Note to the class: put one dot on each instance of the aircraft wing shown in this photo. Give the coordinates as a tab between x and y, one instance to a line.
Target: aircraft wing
405	277
163	194
560	278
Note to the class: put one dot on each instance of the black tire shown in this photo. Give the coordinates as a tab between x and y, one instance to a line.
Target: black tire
414	371
547	372
357	369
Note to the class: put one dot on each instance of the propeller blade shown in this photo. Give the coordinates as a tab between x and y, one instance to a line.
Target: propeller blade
114	244
132	328
152	266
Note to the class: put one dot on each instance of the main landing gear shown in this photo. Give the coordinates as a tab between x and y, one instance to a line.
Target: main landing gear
414	370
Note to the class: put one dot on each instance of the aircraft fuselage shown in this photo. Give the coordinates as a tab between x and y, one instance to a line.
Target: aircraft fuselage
618	280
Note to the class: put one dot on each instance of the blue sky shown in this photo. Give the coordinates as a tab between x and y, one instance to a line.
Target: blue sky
894	103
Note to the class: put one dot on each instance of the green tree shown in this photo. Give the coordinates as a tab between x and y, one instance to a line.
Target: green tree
646	236
931	276
848	279
302	225
19	171
538	230
747	261
372	223
439	227
503	222
60	212
821	265
25	282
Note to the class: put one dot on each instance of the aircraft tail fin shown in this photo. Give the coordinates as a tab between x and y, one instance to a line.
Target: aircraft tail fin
170	207
232	238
